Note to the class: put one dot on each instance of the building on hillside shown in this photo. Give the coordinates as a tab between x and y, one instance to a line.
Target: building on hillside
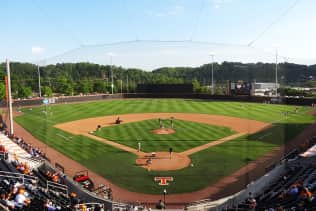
240	87
264	89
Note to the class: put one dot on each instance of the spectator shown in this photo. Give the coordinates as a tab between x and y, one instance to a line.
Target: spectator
49	205
20	199
293	190
3	199
306	195
160	205
251	201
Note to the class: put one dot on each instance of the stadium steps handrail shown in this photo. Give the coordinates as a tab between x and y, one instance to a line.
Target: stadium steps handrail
117	205
24	177
4	208
69	182
58	186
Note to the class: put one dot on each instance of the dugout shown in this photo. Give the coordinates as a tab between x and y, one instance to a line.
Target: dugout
164	88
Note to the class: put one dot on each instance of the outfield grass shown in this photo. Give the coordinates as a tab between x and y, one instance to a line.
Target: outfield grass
188	135
209	165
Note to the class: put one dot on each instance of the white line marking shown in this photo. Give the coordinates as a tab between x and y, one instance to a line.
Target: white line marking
61	135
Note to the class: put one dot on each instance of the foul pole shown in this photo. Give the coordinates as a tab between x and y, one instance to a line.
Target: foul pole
9	97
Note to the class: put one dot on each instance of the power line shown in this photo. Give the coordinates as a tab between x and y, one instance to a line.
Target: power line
49	17
197	21
283	14
119	43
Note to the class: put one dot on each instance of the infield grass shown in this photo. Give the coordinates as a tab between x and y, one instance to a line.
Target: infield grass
188	135
209	165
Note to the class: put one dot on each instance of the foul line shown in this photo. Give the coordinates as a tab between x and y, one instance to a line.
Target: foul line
60	135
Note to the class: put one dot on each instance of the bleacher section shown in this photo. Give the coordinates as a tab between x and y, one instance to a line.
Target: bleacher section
43	191
293	187
16	152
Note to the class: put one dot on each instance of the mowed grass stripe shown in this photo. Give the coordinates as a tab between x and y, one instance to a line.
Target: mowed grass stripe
186	133
67	113
209	165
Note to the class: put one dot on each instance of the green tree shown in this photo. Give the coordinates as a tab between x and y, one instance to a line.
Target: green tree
24	92
68	90
83	87
99	86
2	91
196	85
47	91
311	83
64	86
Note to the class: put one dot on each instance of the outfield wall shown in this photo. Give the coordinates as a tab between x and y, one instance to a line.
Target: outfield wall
255	99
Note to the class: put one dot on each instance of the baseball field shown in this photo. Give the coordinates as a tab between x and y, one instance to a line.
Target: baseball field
214	138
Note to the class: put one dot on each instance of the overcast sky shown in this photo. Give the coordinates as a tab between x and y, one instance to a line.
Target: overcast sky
39	30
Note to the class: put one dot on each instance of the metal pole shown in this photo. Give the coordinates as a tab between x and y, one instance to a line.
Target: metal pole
276	72
10	98
121	87
212	74
39	81
112	84
127	82
164	197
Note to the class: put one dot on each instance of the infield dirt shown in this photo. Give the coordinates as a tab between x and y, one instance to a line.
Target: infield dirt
162	160
225	186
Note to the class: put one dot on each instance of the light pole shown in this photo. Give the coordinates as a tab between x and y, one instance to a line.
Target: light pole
110	54
39	81
212	55
164	198
121	87
37	51
112	84
127	82
276	72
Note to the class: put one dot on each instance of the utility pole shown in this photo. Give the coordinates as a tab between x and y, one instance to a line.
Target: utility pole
9	97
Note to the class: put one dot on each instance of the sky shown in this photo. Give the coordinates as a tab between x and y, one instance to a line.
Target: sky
149	34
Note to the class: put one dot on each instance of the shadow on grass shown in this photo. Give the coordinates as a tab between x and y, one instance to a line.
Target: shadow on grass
279	133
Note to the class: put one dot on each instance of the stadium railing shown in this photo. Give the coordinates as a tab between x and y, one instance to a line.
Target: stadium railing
22	177
56	186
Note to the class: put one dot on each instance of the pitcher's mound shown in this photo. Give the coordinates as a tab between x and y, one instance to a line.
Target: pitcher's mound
161	161
163	131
